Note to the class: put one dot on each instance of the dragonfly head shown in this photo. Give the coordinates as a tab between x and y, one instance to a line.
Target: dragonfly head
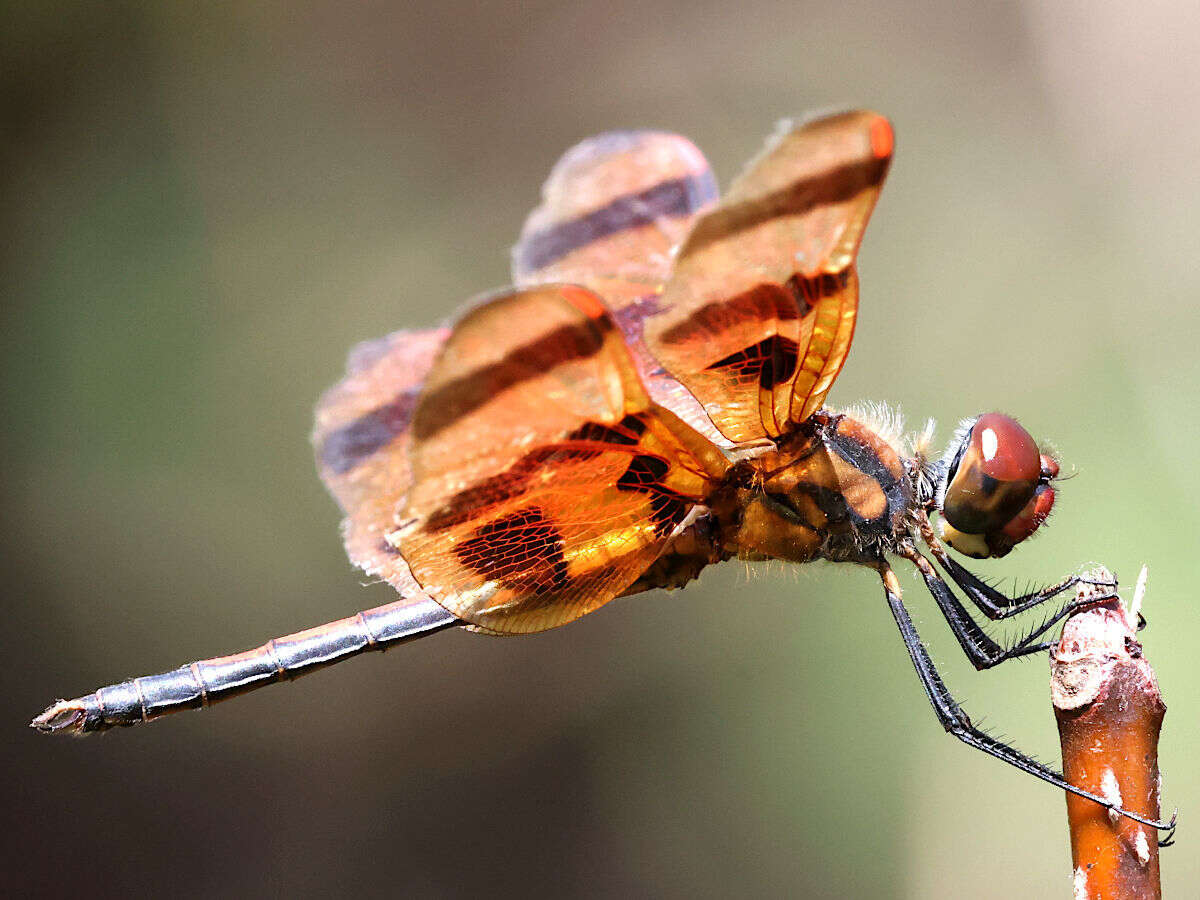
997	487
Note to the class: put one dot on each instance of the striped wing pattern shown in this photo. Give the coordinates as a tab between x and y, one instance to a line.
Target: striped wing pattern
614	209
545	479
531	463
758	314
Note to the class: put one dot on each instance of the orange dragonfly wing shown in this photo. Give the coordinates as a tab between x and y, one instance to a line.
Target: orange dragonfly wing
613	212
757	317
545	479
361	438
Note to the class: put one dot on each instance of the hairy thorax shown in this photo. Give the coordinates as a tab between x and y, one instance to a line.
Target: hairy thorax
832	489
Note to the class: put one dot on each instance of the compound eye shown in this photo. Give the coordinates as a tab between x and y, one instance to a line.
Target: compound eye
993	477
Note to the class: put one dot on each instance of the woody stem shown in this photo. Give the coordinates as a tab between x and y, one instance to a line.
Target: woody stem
1109	712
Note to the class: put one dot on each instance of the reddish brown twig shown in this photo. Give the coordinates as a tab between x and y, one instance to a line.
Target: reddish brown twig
1109	712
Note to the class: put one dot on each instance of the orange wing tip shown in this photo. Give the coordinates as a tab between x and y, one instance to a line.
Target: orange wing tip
584	300
883	138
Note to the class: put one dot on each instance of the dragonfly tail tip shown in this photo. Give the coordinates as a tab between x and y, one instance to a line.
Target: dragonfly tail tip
64	716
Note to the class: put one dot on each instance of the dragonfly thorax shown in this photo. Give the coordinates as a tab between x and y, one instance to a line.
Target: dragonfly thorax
833	489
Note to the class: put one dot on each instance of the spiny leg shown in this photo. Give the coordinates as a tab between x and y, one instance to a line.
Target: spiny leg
956	721
989	601
980	648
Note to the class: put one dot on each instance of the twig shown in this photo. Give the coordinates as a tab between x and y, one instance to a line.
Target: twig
1109	713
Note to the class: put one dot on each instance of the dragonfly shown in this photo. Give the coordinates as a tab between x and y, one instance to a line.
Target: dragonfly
648	399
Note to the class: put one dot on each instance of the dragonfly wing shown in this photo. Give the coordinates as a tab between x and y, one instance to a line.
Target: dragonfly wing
361	438
759	312
545	478
614	211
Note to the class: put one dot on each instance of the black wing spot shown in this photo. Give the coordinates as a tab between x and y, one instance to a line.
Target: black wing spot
644	471
772	361
633	423
667	507
625	433
808	289
524	551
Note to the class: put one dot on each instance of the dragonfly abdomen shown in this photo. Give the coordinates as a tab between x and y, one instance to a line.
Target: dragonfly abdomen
203	683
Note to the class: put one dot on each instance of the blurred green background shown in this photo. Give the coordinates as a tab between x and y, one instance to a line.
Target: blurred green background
206	206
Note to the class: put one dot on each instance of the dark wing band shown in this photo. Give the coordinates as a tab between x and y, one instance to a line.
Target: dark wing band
361	438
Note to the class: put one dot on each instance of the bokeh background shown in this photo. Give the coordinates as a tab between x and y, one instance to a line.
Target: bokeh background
205	206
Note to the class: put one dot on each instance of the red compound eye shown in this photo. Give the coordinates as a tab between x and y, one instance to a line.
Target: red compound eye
993	476
1027	521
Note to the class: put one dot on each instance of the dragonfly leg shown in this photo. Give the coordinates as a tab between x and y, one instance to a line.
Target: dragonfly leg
989	601
981	649
958	723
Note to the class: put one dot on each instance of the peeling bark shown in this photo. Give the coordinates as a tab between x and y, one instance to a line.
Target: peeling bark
1109	712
